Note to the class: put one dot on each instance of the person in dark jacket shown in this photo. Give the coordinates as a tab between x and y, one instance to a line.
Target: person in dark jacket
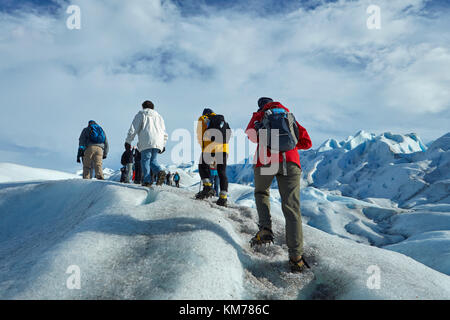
93	151
137	167
127	162
168	179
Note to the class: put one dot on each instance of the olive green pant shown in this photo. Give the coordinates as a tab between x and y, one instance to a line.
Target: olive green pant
289	187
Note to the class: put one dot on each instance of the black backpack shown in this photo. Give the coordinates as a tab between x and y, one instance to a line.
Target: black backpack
288	132
217	122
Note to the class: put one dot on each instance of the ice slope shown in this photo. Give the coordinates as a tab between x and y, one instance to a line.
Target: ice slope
369	223
131	243
10	172
127	242
376	189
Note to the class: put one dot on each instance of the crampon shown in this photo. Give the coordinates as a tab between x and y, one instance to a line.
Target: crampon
263	236
299	265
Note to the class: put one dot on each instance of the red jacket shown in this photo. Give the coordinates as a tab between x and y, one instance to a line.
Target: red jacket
304	141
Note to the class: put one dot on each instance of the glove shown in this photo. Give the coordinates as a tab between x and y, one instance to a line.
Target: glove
162	151
258	125
104	156
80	154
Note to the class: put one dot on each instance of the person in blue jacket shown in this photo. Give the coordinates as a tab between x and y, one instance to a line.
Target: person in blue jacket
176	179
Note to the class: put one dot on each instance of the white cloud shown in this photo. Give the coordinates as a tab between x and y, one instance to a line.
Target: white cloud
336	75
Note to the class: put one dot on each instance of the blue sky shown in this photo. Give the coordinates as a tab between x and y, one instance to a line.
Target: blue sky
316	57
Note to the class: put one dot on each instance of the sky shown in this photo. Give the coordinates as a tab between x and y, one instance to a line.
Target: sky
318	58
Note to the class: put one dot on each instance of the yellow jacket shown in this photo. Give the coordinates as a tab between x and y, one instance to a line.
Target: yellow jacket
207	145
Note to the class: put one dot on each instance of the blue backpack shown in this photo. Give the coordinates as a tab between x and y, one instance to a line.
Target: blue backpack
96	134
288	132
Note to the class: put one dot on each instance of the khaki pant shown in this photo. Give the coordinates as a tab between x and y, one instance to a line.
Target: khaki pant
289	187
93	157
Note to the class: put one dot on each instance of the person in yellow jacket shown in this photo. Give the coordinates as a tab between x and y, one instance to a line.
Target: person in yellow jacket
213	134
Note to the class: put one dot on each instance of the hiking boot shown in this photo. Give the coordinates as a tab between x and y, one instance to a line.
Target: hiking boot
263	236
161	178
298	266
207	192
222	201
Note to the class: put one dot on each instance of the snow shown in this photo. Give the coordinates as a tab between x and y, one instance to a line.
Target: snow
10	172
127	242
370	202
379	190
429	248
134	243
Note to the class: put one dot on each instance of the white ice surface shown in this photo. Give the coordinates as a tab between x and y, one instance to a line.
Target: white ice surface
131	243
10	172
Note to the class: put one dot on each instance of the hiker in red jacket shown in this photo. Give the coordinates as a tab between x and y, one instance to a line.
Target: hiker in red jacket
272	161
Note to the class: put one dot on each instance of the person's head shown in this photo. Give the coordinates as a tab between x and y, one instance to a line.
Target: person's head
148	105
263	101
91	122
207	111
127	146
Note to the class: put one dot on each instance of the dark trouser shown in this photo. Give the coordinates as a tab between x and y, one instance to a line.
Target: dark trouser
289	187
221	159
123	176
137	172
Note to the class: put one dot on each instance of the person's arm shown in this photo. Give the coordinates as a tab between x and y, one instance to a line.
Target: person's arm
251	130
304	141
135	128
200	130
106	149
82	141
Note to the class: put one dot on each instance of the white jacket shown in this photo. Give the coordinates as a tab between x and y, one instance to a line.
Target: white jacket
149	126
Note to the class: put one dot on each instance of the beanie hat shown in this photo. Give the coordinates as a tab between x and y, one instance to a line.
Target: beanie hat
207	111
263	101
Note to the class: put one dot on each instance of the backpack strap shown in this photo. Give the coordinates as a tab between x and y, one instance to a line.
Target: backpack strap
284	164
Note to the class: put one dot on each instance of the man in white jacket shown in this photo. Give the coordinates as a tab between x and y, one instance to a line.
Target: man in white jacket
149	126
